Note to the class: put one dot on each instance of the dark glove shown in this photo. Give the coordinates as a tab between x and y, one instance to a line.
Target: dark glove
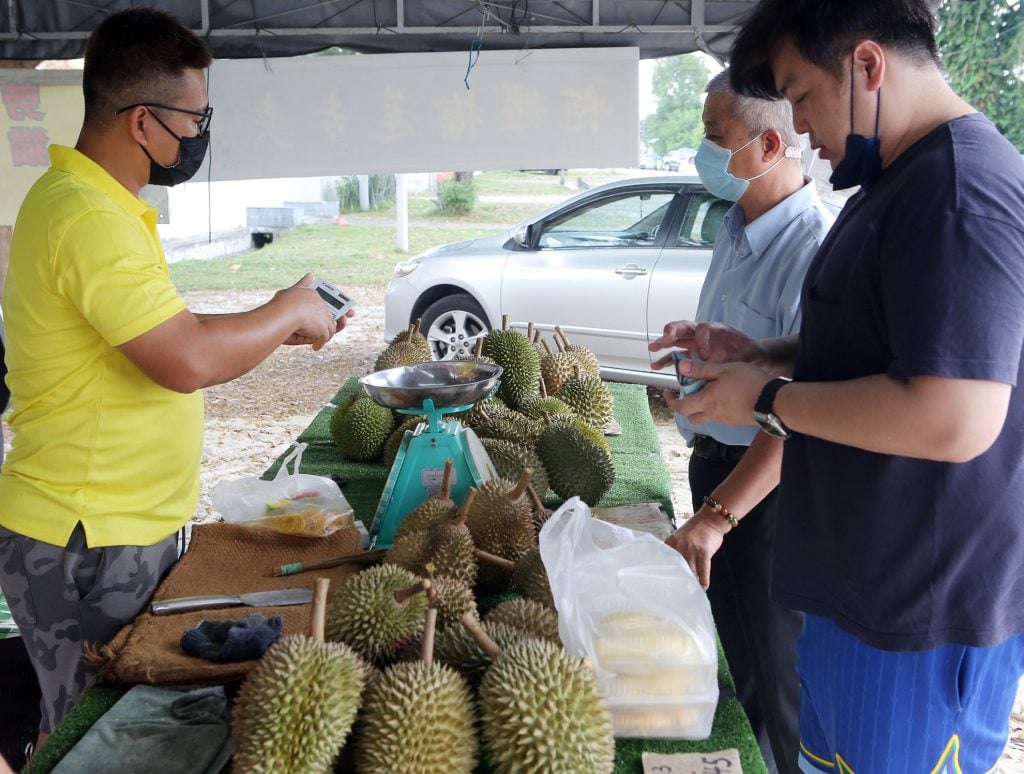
230	641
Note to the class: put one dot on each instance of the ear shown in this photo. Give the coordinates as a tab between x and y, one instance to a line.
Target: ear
136	124
771	144
869	64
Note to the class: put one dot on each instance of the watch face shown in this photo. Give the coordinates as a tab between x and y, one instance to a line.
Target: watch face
771	425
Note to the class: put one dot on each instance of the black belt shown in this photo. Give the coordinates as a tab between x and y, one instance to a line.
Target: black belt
708	448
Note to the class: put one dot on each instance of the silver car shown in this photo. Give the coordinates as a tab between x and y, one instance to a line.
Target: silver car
610	265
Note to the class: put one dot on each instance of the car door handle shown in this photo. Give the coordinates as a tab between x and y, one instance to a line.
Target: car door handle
631	270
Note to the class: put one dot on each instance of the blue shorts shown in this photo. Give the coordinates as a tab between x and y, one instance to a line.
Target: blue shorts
870	711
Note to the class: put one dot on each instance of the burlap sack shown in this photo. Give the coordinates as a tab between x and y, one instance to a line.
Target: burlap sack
222	559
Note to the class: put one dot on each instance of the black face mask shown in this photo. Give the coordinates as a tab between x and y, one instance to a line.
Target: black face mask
863	160
191	152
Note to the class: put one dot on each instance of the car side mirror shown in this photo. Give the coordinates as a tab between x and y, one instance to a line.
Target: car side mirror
523	235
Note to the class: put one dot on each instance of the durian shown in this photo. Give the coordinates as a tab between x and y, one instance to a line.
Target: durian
576	466
516	355
501	522
394	441
510	459
433	510
362	430
587	359
589	398
418	717
535	619
296	706
542	712
412	335
458	648
376	609
531	578
555	368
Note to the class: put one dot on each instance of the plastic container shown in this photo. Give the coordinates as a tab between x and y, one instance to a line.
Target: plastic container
687	718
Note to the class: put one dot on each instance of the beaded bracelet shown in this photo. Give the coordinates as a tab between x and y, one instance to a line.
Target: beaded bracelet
721	510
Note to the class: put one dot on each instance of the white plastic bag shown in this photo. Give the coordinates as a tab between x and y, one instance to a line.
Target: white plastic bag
294	503
632	606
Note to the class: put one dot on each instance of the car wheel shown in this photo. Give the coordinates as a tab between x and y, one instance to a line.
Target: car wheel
452	325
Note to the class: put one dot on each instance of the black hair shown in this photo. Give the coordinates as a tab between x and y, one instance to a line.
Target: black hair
136	56
825	32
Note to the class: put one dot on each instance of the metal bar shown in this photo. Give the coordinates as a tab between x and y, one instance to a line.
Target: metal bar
400	15
372	31
204	9
596	14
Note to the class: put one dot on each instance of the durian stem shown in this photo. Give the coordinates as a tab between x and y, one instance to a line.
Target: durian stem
560	332
536	336
404	595
318	615
538	504
529	331
520	487
543	387
446	478
416	326
429	630
411	330
467	503
478	350
497	561
476	631
504	322
547	347
576	371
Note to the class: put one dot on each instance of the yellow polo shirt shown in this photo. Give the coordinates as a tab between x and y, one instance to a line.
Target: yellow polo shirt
95	440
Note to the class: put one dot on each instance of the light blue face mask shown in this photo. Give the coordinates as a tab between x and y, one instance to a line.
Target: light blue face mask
712	163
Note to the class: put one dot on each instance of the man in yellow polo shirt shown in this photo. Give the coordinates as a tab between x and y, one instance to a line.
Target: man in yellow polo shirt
106	364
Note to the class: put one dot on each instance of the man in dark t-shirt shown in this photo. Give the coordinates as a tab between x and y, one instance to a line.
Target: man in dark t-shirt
900	533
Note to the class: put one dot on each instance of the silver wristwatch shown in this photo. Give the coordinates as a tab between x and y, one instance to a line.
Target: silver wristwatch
764	413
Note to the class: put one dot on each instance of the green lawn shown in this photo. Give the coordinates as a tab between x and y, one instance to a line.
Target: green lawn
346	255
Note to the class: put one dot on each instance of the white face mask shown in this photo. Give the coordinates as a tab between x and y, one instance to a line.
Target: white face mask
712	163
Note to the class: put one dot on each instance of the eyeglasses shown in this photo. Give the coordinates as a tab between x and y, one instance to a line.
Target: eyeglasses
205	115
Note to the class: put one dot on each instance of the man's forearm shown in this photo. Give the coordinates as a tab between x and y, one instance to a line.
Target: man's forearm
779	355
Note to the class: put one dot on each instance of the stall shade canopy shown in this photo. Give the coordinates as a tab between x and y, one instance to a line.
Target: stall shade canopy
245	29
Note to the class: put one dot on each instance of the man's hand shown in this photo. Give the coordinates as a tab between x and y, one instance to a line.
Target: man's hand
698	540
713	342
315	324
728	397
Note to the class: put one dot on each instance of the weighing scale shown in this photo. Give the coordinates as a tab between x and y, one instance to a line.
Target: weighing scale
433	389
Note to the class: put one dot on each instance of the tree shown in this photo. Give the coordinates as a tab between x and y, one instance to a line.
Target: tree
982	48
678	84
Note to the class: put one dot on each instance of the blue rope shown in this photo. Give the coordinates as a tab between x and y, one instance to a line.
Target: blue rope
474	55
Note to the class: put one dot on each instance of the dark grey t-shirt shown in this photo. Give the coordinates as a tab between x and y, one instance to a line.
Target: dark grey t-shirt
921	275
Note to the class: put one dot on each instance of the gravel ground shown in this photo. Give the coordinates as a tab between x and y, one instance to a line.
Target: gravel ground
252	420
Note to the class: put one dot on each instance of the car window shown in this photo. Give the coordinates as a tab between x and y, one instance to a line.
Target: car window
703	219
628	220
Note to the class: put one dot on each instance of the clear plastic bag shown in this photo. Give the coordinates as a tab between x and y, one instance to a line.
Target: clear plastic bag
293	503
631	605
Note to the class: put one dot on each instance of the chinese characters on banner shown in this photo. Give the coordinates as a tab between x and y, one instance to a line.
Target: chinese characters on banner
27	142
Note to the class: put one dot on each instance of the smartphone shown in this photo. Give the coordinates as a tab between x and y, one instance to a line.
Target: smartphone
687	384
338	302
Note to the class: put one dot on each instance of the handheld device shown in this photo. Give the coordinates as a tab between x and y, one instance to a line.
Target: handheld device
687	384
338	302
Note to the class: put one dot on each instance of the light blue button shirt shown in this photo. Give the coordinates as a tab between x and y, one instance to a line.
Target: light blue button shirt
754	281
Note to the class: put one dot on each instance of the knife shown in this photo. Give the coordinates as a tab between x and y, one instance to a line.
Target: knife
254	599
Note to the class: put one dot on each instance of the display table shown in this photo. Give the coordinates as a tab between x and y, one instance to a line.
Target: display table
641	476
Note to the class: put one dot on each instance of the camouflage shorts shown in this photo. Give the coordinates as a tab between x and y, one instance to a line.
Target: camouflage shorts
62	598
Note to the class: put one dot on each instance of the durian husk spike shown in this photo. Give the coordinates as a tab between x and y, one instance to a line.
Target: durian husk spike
504	322
318	613
446	479
547	347
520	488
404	595
476	631
497	561
560	332
478	350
